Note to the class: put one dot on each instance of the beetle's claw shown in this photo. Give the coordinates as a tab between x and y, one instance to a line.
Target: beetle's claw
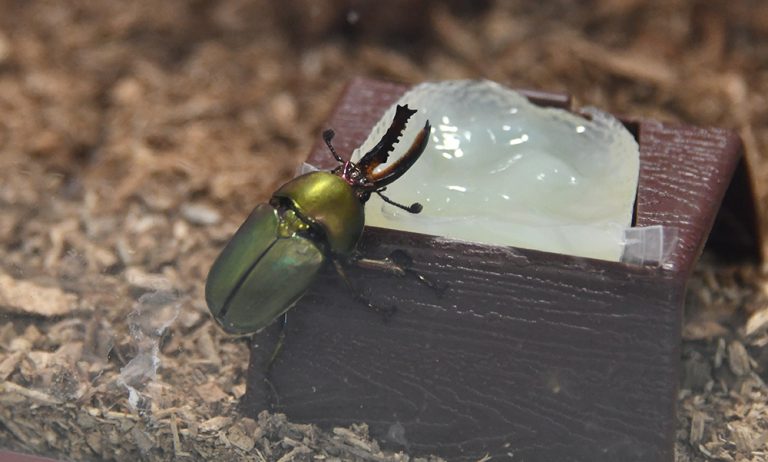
403	260
400	258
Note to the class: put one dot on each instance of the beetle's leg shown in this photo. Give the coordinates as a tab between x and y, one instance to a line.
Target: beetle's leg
386	265
387	312
278	344
402	259
399	264
274	402
271	388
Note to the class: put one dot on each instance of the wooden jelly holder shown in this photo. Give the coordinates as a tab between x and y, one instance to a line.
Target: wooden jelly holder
528	355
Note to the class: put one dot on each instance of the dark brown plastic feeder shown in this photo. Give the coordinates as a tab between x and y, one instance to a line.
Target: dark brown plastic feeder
528	355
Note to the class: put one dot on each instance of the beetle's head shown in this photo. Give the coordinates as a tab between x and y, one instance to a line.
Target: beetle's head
364	178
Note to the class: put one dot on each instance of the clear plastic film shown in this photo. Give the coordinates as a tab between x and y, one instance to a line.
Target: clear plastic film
649	245
152	315
305	168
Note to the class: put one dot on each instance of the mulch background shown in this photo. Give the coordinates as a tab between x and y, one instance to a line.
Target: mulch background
135	137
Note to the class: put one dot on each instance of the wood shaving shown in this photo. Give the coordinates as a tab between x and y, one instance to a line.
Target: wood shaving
19	296
738	358
757	322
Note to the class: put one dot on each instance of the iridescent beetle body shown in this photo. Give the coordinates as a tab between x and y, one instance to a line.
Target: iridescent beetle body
275	255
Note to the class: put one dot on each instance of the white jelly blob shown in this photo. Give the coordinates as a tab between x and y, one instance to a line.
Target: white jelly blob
500	170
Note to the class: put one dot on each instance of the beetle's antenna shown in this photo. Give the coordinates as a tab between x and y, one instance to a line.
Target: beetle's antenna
413	208
327	137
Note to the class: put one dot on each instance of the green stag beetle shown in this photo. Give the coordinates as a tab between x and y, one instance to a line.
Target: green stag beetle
275	255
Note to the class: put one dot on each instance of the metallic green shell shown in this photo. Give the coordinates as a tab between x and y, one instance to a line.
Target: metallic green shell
260	275
327	200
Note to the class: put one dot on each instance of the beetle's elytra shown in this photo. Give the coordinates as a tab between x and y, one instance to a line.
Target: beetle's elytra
275	255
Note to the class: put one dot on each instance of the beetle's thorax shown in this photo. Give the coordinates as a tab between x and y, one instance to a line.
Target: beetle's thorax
328	203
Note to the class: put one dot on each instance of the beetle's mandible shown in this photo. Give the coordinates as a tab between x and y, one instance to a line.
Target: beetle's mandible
275	255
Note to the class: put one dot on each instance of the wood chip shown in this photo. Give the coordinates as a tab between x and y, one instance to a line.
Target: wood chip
93	440
9	364
208	348
178	452
239	439
630	64
14	429
295	453
32	333
697	428
69	353
697	372
717	361
215	424
742	438
37	396
139	278
350	437
200	214
757	322
115	415
211	392
703	330
238	390
5	48
26	297
143	440
738	359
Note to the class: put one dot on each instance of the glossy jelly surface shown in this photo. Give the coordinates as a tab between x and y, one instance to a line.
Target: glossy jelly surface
500	170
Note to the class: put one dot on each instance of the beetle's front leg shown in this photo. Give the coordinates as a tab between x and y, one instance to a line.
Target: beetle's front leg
399	264
387	312
278	344
270	388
